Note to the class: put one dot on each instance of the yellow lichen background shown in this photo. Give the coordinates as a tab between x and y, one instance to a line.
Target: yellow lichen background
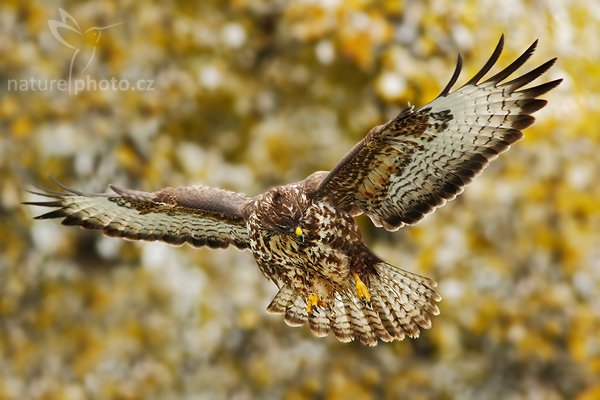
248	94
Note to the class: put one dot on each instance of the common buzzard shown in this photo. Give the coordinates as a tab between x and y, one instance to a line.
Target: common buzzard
303	235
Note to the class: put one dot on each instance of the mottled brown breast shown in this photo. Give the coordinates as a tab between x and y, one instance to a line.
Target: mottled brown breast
322	252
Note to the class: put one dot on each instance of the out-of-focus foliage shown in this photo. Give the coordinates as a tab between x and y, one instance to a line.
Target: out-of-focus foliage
252	93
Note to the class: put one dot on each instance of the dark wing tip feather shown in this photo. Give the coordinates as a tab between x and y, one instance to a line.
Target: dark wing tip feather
489	63
513	135
506	72
530	76
454	78
540	89
66	188
522	122
70	191
529	106
57	203
59	213
46	193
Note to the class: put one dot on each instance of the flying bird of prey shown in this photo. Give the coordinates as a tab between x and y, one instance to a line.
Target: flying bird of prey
303	235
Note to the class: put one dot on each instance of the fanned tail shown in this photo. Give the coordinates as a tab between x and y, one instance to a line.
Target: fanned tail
402	304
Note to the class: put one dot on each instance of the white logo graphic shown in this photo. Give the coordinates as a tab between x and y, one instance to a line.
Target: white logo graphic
83	44
83	55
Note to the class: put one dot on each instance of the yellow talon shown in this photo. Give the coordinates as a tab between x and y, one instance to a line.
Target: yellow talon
362	291
312	303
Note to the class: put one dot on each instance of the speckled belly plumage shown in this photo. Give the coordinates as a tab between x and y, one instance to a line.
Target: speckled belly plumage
320	263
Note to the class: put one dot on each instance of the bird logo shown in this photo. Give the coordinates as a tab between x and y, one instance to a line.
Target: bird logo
84	47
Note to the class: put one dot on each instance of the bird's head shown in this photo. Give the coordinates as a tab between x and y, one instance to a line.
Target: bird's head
283	212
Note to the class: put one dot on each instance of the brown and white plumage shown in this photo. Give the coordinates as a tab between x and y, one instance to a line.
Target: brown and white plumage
303	235
414	163
198	215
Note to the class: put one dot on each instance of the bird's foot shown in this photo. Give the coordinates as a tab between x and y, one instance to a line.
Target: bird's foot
314	305
362	291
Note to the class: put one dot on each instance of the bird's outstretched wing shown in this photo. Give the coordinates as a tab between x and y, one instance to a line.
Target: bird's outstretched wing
198	215
406	168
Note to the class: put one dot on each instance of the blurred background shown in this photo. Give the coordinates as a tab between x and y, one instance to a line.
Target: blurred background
247	94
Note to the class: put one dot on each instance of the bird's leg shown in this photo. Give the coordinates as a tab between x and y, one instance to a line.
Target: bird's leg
314	304
362	291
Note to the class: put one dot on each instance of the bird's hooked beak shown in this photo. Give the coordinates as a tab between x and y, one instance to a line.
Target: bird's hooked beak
300	234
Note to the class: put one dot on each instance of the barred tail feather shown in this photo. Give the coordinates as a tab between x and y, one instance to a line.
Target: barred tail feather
320	324
406	300
342	322
287	302
402	304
